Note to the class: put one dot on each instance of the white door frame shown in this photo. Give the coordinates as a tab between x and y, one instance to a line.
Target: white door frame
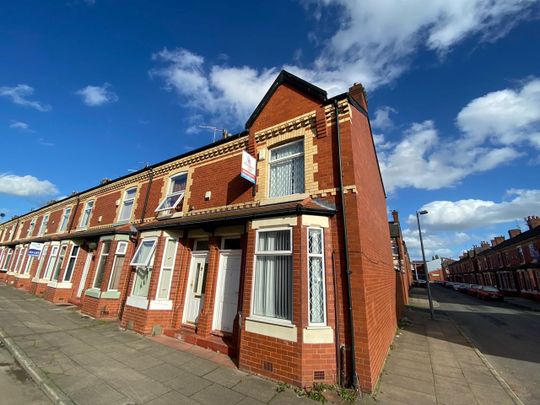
220	282
84	274
194	255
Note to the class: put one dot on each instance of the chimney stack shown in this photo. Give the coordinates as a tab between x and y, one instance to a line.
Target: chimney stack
358	93
532	221
513	232
484	245
395	215
495	241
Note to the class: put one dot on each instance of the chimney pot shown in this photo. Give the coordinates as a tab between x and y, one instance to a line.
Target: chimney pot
532	221
512	233
358	93
395	215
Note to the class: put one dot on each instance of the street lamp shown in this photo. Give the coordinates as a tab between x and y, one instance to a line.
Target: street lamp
418	213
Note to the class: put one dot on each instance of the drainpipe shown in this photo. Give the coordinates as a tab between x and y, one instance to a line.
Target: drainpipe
150	179
354	375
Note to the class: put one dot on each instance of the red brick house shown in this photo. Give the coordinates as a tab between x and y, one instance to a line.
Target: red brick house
293	275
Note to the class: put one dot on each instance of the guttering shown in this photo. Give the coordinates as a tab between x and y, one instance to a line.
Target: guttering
354	375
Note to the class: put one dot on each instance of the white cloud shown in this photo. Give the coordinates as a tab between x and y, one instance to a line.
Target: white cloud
374	44
18	95
382	118
25	186
506	117
94	96
467	214
442	244
23	126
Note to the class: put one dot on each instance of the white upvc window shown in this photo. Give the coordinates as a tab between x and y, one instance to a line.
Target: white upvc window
9	256
50	263
144	252
28	264
175	193
85	218
43	227
272	287
287	169
316	277
71	262
167	266
41	259
20	260
64	221
100	269
59	262
143	259
31	228
127	204
118	264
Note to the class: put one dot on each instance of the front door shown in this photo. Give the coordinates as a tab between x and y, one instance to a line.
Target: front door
227	291
84	274
196	287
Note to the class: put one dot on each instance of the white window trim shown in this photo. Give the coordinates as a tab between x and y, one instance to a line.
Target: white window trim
229	238
44	224
99	263
152	250
62	220
260	318
31	228
124	200
56	261
286	157
116	254
180	194
163	266
81	226
324	323
51	257
289	197
74	263
197	242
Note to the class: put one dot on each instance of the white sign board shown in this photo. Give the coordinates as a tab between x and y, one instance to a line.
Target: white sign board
249	167
35	249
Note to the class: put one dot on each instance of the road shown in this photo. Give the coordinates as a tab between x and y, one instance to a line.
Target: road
508	336
16	387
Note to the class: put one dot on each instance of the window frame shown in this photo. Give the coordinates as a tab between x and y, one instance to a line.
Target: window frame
323	258
169	194
152	251
62	226
162	267
101	258
44	224
52	258
122	205
271	151
69	261
59	262
263	318
31	227
117	253
93	202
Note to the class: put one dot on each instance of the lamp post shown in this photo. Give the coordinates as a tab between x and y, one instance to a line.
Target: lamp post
418	213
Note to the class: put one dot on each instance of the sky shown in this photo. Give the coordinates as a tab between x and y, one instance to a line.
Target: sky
91	89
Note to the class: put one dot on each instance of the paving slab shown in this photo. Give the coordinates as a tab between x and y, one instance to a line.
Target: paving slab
217	394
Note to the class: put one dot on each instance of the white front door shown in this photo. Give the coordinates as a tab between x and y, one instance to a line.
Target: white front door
86	267
228	284
195	289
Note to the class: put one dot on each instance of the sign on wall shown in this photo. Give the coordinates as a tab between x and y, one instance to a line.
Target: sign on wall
249	167
35	249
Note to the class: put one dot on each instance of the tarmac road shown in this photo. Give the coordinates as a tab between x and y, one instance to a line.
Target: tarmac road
508	336
16	387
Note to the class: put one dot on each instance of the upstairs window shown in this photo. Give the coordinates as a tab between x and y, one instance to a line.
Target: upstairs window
127	204
64	220
175	193
43	227
31	228
287	169
85	219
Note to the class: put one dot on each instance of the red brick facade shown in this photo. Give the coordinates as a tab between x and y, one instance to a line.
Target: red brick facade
198	280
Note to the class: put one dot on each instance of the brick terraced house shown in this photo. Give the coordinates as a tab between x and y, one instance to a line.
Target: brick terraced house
513	264
293	276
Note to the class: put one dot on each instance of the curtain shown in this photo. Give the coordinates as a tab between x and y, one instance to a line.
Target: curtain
287	175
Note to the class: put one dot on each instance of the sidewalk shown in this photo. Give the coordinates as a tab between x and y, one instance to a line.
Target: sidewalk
431	362
89	361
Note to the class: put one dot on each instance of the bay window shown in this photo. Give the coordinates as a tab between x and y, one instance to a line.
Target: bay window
119	259
143	258
50	263
272	295
41	259
175	193
71	262
316	284
59	262
127	204
287	169
100	270
167	266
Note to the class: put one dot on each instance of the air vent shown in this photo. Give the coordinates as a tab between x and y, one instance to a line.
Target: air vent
267	366
318	375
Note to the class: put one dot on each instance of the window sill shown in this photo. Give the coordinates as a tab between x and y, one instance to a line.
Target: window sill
22	276
112	294
273	329
318	334
59	285
285	198
162	305
137	302
93	292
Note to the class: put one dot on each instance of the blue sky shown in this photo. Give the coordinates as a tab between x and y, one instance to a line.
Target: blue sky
91	89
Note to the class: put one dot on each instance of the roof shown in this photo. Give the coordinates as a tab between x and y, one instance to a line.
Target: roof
294	81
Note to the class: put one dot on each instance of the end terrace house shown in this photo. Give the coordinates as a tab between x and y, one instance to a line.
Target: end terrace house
291	274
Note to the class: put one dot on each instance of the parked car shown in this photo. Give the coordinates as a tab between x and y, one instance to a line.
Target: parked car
488	292
473	289
420	283
462	287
